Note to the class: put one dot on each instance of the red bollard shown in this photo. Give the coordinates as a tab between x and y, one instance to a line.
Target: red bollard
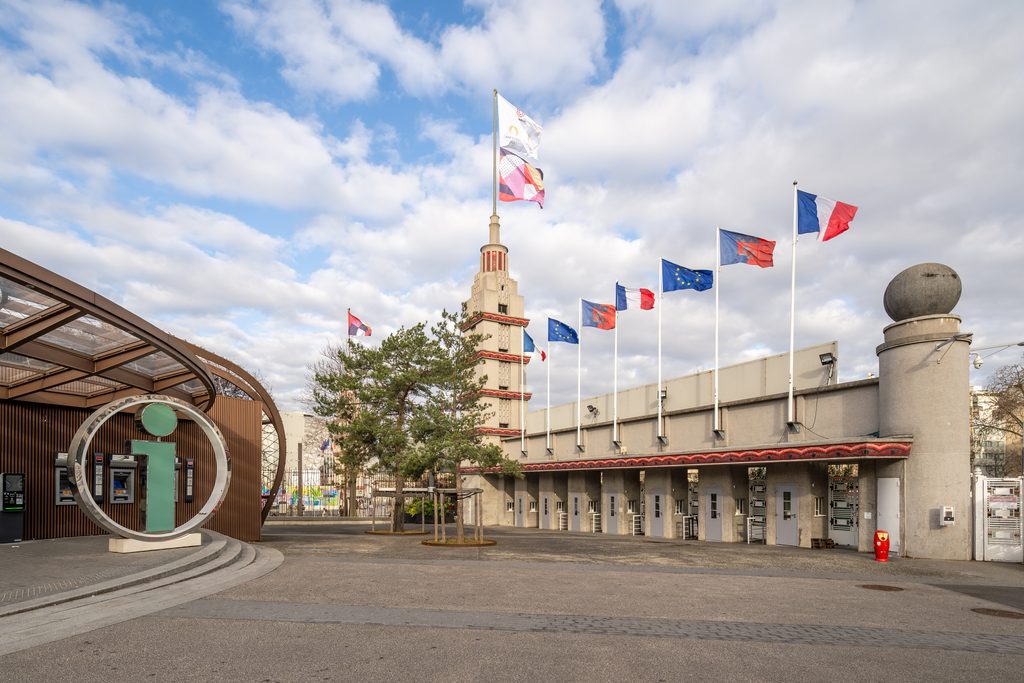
881	546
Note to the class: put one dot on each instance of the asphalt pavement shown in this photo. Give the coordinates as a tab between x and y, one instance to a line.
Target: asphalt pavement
346	605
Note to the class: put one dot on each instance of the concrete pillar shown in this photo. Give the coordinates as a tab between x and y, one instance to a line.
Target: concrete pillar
924	391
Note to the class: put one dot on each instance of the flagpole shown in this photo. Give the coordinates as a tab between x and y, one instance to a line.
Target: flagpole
718	286
579	372
661	300
522	392
792	312
494	158
615	384
547	394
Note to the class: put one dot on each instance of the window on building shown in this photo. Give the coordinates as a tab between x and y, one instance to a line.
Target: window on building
631	507
680	507
591	506
503	387
657	507
503	425
713	505
575	506
611	504
545	507
503	308
533	506
559	506
520	506
819	506
509	506
741	506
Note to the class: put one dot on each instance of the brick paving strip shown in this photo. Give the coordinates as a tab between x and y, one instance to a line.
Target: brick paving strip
795	634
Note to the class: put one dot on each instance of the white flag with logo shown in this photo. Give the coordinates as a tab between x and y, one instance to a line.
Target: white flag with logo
517	132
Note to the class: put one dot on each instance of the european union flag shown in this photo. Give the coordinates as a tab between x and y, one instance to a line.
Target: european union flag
675	277
560	332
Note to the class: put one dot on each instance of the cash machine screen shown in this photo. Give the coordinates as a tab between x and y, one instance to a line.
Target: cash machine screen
120	484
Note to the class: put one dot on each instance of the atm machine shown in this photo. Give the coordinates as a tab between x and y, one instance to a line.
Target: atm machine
12	507
64	491
123	478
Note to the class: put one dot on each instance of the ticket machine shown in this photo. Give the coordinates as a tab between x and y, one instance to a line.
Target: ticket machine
12	507
64	492
123	478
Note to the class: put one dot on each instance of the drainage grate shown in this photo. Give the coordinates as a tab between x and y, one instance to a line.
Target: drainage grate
1004	613
880	587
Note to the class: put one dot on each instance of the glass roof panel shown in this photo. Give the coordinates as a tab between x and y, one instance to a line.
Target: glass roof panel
17	361
192	386
84	387
155	364
9	375
89	336
18	302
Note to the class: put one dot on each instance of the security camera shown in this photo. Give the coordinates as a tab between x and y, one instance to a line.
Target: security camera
978	362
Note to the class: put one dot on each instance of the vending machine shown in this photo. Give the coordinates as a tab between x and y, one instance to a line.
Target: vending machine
12	507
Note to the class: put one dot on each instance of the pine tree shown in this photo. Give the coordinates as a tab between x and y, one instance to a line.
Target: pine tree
446	426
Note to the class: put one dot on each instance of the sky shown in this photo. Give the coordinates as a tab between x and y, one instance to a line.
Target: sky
241	172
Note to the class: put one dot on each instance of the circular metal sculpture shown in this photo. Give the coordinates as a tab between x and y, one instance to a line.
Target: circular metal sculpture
159	419
924	289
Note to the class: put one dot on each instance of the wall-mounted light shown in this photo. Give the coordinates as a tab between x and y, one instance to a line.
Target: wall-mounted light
827	358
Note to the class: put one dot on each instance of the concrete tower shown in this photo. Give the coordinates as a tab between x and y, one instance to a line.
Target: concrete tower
495	309
924	390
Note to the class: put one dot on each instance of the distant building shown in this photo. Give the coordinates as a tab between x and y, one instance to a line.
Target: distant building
317	460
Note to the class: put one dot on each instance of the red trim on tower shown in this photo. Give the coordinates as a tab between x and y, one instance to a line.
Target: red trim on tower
494	317
502	393
845	451
495	431
498	355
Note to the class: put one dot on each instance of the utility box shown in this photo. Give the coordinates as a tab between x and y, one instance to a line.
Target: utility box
948	518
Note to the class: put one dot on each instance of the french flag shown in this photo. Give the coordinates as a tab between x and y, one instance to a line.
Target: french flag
827	217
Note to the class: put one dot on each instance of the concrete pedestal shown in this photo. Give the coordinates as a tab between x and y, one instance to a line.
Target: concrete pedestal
130	545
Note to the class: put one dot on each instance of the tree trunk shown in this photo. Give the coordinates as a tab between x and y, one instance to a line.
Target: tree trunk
460	527
398	512
351	505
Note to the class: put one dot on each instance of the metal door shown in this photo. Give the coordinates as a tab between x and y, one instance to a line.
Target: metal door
713	518
545	513
843	506
657	515
787	526
889	511
520	519
999	522
574	515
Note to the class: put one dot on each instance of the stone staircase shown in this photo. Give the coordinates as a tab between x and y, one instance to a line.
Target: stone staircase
220	563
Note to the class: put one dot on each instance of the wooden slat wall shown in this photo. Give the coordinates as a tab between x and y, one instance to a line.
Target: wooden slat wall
30	435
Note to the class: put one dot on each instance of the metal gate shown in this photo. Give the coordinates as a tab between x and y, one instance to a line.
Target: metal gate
757	520
998	526
843	505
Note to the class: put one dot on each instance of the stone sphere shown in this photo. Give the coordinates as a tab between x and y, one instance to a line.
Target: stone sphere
924	289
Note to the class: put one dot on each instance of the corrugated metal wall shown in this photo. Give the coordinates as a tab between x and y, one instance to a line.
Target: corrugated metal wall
30	435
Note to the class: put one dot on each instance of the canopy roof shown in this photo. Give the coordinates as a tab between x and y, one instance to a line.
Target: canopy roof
62	343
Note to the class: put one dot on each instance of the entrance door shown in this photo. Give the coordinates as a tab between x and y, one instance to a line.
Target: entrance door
545	513
889	511
574	514
657	515
787	527
713	518
520	519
